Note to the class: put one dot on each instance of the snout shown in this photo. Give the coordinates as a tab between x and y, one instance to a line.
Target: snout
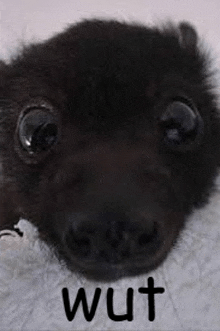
115	215
111	243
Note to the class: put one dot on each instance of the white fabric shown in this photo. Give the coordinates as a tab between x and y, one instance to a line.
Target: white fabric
31	281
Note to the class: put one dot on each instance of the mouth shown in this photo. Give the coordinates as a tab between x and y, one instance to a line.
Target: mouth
109	272
114	248
102	271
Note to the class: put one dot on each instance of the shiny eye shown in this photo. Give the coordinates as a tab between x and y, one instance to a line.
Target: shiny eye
182	126
37	130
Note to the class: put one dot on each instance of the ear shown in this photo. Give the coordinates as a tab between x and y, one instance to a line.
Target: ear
8	216
187	36
4	71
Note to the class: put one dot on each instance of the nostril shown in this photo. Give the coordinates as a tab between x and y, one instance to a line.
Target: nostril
112	239
78	244
83	247
146	238
83	243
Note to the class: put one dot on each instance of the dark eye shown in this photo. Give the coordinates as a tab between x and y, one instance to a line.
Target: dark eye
37	131
182	126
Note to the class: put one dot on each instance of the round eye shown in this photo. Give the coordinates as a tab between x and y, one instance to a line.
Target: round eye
37	130
182	126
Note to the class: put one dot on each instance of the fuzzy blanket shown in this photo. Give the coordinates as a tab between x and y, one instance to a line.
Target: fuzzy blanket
31	283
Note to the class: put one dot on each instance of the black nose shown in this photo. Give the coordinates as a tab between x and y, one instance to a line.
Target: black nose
111	238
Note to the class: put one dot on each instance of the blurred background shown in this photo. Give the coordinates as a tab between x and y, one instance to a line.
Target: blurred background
32	20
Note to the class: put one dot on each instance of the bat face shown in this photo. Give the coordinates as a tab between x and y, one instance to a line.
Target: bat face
110	138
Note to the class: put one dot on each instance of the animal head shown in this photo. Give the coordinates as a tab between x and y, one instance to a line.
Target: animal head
109	137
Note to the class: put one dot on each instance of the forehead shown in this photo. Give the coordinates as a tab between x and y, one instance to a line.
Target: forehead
107	47
101	71
125	52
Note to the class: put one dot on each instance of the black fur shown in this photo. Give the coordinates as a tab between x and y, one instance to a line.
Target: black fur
113	192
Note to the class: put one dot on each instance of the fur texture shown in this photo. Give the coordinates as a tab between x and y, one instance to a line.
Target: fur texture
110	137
